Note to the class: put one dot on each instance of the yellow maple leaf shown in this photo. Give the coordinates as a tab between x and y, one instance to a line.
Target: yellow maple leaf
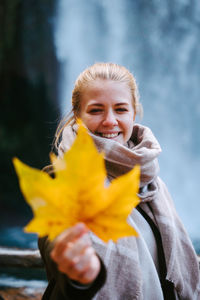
78	193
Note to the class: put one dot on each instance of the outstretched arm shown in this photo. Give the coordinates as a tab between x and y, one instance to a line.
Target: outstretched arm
73	267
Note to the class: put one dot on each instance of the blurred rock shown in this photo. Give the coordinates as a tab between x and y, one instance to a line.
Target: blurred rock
21	294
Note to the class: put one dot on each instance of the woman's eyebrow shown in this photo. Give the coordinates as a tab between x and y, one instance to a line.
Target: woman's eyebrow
100	104
121	103
95	104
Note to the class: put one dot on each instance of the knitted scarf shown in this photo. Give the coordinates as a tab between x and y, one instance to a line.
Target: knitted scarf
181	260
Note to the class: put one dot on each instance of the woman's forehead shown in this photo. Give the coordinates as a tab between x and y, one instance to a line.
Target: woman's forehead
104	86
104	93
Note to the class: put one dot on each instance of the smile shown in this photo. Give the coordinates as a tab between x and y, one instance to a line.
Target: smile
109	135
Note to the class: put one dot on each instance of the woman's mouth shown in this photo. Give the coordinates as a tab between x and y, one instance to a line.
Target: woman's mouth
108	135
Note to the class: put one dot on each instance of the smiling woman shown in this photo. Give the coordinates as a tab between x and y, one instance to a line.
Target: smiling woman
107	110
161	263
93	91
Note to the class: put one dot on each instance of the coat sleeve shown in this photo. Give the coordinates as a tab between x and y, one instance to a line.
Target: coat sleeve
59	285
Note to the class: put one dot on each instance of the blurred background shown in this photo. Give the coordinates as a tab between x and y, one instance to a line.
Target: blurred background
44	45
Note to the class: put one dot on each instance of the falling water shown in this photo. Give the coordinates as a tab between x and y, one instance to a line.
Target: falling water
159	42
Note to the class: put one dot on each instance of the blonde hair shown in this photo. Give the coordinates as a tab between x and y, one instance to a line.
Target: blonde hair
103	71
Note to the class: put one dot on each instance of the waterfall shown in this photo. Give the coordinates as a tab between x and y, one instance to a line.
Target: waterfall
159	42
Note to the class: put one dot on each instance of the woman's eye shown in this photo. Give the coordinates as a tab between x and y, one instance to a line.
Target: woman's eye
121	109
95	110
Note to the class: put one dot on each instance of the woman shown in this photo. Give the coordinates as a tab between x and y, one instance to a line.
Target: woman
161	262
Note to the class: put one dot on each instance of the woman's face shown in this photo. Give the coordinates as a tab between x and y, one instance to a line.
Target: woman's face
107	110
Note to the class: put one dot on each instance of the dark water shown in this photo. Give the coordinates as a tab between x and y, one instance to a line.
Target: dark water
29	278
23	277
16	237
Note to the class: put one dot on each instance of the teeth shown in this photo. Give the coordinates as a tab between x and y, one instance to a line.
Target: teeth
109	135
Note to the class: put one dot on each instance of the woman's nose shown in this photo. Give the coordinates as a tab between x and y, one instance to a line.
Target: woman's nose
110	119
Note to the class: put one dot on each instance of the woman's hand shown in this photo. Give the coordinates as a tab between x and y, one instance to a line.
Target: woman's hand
75	256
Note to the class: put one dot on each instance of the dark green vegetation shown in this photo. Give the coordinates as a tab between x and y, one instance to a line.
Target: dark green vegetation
28	94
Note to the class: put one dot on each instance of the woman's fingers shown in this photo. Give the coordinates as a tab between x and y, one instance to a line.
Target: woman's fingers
72	233
85	269
66	239
78	250
84	260
78	247
74	254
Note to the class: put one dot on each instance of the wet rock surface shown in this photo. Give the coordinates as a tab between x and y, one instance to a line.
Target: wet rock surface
21	293
22	275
